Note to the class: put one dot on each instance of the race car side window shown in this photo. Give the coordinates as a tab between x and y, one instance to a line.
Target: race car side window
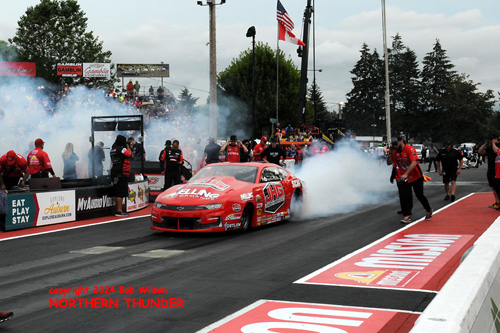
270	174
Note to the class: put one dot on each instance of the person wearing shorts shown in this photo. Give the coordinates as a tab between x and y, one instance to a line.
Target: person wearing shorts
449	162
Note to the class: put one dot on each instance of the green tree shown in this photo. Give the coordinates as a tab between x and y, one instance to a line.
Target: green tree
54	31
364	111
235	86
405	90
437	78
321	117
7	52
186	101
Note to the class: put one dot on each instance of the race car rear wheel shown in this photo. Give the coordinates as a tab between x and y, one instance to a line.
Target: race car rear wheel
246	218
296	204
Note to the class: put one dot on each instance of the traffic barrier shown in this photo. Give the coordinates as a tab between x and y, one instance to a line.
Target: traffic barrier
469	301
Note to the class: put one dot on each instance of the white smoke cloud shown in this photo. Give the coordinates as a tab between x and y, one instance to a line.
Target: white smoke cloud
343	180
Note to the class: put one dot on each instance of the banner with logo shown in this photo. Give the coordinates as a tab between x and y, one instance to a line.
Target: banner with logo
138	196
17	69
22	210
69	70
96	70
143	70
94	202
55	207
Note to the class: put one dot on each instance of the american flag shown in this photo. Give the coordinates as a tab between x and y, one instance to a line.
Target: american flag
285	26
283	17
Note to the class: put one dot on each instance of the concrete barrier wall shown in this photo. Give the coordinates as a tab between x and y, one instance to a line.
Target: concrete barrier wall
469	301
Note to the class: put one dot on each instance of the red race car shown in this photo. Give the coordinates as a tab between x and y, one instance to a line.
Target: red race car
229	196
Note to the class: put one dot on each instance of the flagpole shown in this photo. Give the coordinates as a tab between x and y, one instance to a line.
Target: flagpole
277	77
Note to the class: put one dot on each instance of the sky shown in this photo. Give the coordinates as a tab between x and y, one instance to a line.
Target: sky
176	32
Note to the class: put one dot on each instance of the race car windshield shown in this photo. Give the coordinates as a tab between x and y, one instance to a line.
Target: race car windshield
242	173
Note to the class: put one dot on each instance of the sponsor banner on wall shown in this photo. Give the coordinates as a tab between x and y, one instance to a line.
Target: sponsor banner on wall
143	70
17	69
69	70
22	211
55	207
138	196
96	70
94	202
156	182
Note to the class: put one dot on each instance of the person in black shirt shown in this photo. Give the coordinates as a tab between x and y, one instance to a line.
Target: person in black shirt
120	155
449	157
137	150
173	160
487	150
246	156
168	146
211	153
274	153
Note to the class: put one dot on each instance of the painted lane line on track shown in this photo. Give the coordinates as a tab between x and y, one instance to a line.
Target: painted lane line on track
414	258
61	227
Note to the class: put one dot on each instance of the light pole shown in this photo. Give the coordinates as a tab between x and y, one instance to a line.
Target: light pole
213	65
251	33
386	61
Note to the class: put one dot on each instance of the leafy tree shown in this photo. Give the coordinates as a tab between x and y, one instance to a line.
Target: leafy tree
7	52
235	88
186	101
54	31
364	111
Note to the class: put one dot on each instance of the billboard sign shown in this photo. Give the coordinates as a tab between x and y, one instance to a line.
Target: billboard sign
102	70
17	69
143	70
69	70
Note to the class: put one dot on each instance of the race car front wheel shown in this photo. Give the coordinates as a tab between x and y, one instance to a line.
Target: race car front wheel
246	218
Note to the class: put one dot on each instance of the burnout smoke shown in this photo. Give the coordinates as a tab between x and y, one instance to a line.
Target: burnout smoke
342	181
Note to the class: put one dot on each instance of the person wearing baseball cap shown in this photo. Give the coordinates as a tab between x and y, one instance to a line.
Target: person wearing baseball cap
449	163
12	167
39	165
259	148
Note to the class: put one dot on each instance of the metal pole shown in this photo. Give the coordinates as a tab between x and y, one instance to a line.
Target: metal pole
387	92
253	86
213	73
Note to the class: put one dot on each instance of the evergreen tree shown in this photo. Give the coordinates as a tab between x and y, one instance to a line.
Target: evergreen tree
7	52
437	78
186	101
316	103
364	111
54	31
405	90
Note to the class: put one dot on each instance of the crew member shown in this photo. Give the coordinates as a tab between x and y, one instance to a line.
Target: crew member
259	148
404	159
211	152
173	161
12	167
274	153
39	165
451	161
120	155
161	158
139	154
233	146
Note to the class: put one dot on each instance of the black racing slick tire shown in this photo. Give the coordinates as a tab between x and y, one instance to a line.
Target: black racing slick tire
246	218
296	205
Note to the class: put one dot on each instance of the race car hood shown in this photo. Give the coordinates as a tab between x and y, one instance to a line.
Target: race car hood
204	190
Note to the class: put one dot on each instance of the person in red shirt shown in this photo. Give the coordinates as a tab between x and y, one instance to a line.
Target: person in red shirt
259	148
233	147
408	175
319	147
39	165
12	167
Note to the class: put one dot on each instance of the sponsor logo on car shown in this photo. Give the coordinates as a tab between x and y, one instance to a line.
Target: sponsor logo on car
274	197
236	207
232	217
296	183
259	212
197	193
231	226
246	196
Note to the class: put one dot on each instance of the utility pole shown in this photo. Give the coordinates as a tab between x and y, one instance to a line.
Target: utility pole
304	52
